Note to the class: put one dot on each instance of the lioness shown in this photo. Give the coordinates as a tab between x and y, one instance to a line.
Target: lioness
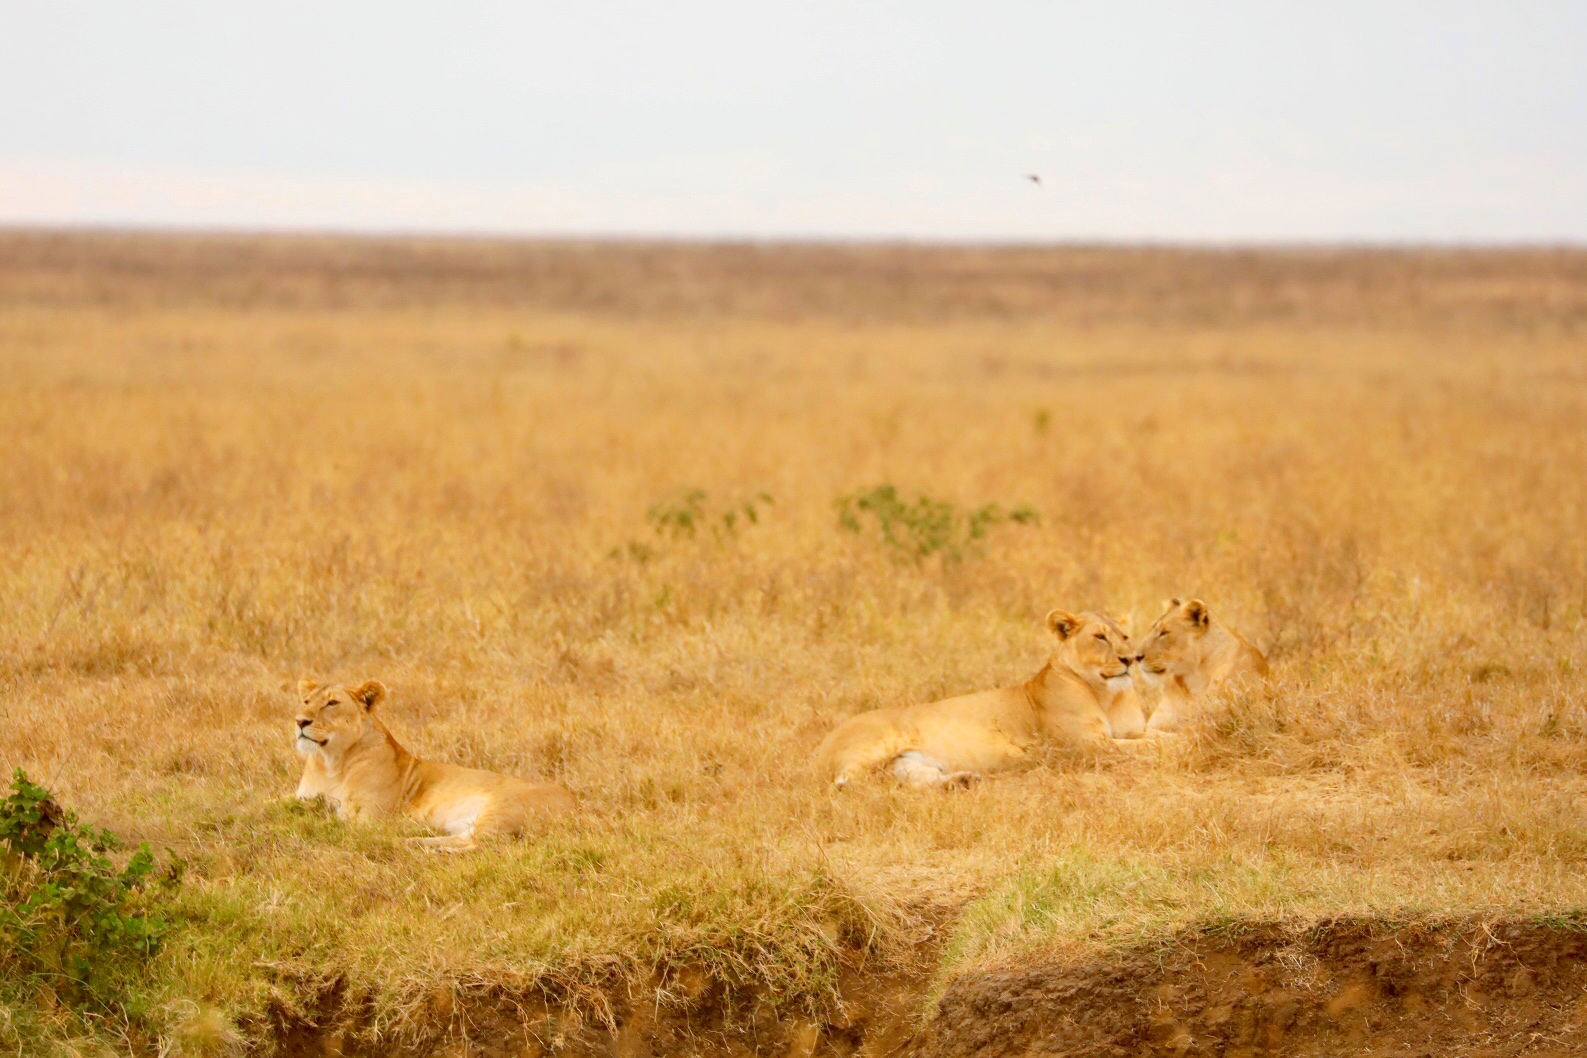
1185	654
354	762
1083	695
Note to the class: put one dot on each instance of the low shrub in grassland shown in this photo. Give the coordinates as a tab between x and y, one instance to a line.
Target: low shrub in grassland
76	930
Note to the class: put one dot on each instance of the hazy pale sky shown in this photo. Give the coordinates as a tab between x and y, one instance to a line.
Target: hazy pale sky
1382	121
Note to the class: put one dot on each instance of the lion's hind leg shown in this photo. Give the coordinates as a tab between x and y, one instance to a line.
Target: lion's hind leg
917	769
854	761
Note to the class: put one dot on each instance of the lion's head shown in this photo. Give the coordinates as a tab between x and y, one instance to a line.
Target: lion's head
1093	646
1174	645
332	718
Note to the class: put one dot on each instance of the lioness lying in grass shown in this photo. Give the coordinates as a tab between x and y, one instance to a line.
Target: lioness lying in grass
1083	695
355	763
1187	653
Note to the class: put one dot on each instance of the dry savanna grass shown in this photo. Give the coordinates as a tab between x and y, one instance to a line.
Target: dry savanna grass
498	478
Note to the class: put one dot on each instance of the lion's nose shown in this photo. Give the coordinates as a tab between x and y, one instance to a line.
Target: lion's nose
1128	661
1140	657
302	723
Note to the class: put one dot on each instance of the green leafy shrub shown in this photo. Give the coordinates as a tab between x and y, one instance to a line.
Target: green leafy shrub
915	531
684	514
69	919
688	513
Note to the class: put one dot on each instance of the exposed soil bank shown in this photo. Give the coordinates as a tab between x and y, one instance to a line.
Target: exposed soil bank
1491	988
684	1015
1336	988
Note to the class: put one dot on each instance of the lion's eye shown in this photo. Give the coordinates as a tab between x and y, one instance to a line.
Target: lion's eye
1102	637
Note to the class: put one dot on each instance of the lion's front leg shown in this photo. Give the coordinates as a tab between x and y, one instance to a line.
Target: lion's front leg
314	782
1126	718
1170	716
359	811
1087	726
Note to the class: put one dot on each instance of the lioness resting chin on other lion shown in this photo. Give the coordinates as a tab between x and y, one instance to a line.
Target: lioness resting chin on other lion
1187	653
1083	695
354	762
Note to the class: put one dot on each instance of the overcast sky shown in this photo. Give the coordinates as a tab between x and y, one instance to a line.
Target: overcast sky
1228	121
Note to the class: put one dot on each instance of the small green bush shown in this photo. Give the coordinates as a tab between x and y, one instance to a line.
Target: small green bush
687	514
68	919
682	515
913	532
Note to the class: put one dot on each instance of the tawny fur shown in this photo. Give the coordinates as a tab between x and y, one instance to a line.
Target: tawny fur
358	765
1083	695
1187	653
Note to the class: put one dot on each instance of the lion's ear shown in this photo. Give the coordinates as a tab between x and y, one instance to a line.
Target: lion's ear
1062	623
1169	604
370	692
305	685
1196	610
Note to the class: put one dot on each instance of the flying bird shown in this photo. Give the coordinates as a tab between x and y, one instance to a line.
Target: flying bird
1033	178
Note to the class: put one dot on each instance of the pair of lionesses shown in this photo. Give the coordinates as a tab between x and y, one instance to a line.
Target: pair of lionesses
1086	693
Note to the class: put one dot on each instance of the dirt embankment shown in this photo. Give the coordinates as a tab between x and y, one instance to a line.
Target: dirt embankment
1341	987
685	1014
1489	988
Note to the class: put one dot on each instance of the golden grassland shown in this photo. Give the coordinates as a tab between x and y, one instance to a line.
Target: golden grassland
225	463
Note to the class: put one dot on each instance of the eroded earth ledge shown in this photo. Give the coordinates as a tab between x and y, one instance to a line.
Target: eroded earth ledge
1470	986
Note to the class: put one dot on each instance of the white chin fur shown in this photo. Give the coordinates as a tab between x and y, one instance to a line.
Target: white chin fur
1152	679
304	746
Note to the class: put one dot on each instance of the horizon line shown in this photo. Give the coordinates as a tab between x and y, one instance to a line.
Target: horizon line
219	231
